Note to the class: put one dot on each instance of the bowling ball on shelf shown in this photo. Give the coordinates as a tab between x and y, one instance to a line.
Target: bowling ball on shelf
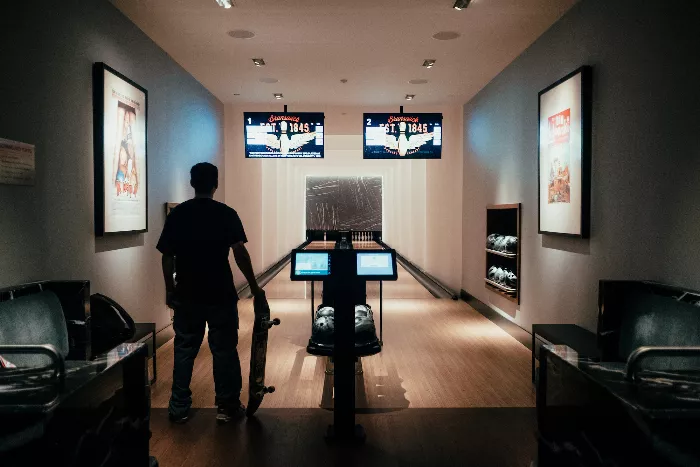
511	280
492	273
491	241
511	244
500	244
499	275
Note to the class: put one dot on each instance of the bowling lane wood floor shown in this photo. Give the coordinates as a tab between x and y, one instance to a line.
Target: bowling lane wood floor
438	355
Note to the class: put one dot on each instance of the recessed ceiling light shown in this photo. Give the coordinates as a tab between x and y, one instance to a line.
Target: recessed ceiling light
409	97
418	81
241	34
269	80
429	62
278	95
225	3
446	35
259	62
461	4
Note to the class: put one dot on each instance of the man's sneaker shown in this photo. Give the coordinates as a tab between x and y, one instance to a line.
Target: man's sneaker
227	412
179	419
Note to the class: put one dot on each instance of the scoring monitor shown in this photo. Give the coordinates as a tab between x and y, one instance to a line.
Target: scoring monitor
312	264
376	264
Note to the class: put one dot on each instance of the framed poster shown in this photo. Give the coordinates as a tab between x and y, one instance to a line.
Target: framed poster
564	155
120	127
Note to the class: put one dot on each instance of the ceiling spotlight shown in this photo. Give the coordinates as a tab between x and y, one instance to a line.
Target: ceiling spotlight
278	95
429	62
461	4
409	97
259	62
225	3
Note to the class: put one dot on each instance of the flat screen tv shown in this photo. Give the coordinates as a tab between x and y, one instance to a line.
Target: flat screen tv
403	136
277	135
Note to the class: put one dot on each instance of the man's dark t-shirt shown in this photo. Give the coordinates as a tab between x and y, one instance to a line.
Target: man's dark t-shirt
199	233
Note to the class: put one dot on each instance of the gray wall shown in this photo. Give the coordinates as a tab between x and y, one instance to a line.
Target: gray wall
46	231
645	160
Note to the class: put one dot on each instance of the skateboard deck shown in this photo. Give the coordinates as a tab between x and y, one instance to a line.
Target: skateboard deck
258	355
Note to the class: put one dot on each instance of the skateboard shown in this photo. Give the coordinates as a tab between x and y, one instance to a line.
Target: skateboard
258	355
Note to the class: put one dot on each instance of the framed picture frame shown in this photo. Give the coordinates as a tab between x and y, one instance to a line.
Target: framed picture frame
120	120
564	155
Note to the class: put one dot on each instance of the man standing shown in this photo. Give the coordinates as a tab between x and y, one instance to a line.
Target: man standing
195	243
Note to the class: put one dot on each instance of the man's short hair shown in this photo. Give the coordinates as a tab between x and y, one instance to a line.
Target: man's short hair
204	177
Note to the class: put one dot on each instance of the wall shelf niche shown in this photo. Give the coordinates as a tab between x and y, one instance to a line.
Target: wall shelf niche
503	224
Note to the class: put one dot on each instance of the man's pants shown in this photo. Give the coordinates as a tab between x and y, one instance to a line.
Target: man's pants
189	325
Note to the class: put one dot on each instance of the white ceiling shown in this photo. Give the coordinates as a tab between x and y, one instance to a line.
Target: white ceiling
377	45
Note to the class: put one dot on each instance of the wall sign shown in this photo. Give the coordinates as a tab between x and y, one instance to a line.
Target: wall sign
564	153
120	125
16	163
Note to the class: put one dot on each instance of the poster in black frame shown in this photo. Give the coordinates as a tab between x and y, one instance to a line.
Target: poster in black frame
120	126
564	155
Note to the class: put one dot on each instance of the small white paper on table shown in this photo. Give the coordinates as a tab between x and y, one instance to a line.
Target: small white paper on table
16	163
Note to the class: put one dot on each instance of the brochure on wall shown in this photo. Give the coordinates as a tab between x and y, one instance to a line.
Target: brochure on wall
16	163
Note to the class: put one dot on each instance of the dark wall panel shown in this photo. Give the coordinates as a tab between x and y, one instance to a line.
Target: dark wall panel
344	203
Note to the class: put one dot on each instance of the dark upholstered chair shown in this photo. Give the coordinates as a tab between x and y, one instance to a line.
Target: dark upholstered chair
661	320
33	331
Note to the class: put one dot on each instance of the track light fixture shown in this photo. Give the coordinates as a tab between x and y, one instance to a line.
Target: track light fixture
409	97
278	95
259	62
429	62
225	3
461	4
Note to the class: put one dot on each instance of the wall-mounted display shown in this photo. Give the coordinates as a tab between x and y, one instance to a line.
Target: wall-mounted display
402	136
274	135
120	132
564	151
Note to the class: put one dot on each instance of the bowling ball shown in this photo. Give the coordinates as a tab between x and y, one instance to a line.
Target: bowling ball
511	244
363	311
365	331
492	273
491	241
325	311
510	279
499	275
500	244
323	330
